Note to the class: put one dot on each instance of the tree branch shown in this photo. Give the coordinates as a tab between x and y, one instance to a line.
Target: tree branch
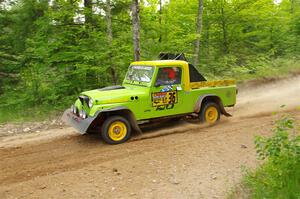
12	75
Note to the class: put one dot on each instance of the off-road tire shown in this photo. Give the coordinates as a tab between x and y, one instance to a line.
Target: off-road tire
213	109
106	130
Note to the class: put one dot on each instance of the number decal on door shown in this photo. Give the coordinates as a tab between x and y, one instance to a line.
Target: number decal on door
160	99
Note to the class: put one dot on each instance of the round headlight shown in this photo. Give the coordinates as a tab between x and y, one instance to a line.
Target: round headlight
84	116
90	103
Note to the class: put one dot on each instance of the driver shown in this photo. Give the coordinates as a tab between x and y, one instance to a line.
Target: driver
167	76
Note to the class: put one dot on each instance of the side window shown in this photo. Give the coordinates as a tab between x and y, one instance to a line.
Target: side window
168	76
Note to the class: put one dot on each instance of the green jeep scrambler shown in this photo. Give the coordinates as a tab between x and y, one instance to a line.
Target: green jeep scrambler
151	90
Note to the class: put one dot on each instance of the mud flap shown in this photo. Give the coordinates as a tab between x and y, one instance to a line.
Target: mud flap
78	123
224	112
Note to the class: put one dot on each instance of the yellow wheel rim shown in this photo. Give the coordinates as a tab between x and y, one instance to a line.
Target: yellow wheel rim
211	115
117	131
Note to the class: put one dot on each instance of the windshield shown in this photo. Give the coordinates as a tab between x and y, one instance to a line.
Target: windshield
140	73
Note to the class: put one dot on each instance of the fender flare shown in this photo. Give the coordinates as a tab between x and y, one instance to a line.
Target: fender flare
216	99
122	111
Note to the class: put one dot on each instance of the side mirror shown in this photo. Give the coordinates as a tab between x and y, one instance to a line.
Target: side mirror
179	88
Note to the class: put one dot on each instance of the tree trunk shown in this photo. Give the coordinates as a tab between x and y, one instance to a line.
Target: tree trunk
160	20
68	18
207	24
110	40
136	29
88	11
199	29
292	2
224	30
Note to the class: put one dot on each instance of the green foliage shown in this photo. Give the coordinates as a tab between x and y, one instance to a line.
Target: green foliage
50	52
279	176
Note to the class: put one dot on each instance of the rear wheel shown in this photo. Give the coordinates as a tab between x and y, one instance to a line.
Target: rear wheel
210	113
115	130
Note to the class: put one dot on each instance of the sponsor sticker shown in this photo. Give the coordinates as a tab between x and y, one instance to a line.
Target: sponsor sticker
164	98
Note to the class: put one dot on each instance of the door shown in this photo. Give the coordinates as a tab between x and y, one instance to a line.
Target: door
167	92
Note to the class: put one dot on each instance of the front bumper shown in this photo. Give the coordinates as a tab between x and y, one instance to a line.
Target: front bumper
78	123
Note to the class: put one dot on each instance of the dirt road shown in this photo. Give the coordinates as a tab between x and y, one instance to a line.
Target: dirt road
175	161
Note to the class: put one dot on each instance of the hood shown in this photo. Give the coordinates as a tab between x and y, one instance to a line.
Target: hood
115	94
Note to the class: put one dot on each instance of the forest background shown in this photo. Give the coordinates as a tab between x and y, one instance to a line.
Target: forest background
50	51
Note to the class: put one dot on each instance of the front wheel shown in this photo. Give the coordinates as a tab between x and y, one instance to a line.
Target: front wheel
115	130
210	113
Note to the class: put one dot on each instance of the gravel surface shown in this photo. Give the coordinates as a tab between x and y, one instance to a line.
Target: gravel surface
180	160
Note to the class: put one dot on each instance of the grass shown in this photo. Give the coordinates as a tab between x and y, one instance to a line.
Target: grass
275	181
28	114
279	176
276	69
256	70
270	181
